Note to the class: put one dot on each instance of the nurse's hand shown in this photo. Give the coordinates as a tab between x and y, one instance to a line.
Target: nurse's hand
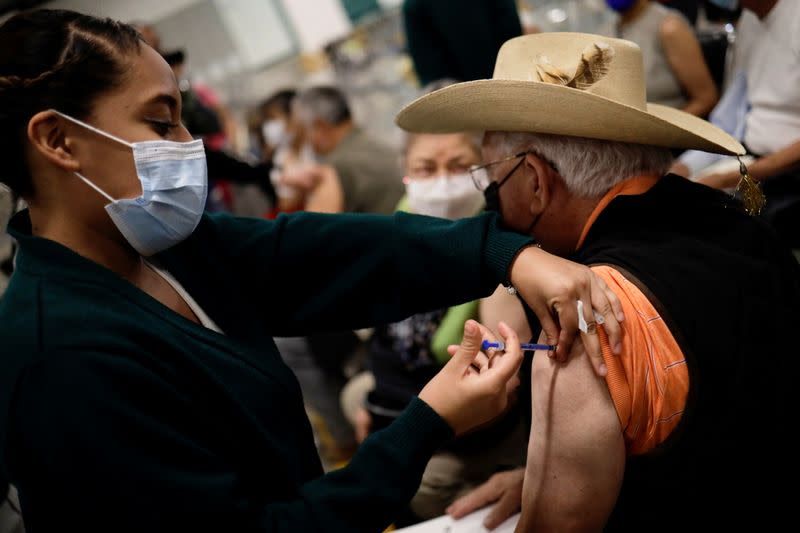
552	286
474	387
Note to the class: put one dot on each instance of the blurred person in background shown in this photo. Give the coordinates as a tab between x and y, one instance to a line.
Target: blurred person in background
367	169
458	39
319	185
688	8
761	108
149	34
677	74
292	157
137	396
403	356
282	141
276	126
527	17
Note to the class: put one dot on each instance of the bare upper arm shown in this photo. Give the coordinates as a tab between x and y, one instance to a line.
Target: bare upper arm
576	453
327	196
686	59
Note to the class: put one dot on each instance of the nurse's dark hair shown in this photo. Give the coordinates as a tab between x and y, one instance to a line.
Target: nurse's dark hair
55	59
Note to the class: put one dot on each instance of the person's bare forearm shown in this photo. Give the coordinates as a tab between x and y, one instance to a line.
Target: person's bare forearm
701	104
777	163
685	58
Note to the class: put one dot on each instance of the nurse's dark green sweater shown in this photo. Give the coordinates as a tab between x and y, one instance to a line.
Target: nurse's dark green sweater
117	414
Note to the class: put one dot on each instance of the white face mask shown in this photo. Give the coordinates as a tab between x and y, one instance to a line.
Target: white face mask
450	197
274	132
174	181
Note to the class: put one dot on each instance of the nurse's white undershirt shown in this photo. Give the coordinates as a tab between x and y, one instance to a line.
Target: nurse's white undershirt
201	315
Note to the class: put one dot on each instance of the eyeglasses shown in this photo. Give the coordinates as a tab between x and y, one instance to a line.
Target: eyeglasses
480	173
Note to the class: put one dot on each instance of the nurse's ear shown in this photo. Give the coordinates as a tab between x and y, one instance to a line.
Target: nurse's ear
49	139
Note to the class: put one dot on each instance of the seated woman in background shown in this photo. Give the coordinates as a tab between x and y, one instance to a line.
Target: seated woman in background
677	74
405	355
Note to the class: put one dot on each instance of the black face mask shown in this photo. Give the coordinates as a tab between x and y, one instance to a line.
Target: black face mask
491	196
492	193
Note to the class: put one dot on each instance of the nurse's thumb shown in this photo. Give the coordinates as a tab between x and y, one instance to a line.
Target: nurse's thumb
470	345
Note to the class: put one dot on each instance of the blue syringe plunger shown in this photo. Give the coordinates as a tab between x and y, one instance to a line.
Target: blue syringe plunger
526	347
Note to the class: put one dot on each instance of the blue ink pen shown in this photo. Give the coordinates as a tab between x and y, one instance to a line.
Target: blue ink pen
526	347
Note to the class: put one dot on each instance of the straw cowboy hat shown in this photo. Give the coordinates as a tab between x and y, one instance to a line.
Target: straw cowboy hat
573	84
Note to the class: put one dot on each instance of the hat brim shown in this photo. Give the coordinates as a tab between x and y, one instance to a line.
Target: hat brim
536	107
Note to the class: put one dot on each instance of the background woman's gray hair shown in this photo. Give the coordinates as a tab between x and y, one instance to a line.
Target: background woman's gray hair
591	167
476	138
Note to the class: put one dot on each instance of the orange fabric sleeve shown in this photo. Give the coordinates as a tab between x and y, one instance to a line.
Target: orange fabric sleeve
649	380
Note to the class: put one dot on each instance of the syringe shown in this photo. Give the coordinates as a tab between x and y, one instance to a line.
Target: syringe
526	347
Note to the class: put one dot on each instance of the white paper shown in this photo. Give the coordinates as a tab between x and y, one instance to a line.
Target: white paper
472	523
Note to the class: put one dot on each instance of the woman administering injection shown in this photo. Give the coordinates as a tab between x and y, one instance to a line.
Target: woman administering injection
135	395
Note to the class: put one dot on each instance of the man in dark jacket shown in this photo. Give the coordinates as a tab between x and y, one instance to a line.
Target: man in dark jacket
693	419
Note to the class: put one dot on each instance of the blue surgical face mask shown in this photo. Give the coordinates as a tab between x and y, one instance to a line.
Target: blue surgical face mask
174	181
620	6
730	5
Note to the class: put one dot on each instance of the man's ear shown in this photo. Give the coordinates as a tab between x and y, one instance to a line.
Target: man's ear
48	137
540	182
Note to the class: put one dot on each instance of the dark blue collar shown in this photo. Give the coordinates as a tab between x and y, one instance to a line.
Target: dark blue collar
41	256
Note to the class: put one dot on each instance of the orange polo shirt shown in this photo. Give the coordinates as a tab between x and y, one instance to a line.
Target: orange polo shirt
649	380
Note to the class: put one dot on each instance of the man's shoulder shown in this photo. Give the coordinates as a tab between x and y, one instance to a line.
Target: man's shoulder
367	156
360	145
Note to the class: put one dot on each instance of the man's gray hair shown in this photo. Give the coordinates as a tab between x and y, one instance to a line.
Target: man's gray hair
327	104
590	167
